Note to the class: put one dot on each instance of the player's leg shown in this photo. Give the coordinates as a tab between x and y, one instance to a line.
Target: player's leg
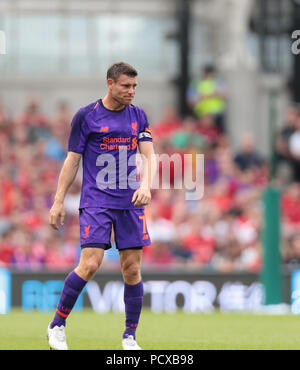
131	235
90	261
95	231
130	261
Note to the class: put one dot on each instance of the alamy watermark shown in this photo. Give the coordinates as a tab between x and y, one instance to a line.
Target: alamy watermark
122	172
2	42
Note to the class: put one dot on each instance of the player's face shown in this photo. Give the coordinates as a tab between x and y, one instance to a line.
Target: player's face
123	90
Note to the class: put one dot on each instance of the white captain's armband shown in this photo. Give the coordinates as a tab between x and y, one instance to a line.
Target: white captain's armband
145	134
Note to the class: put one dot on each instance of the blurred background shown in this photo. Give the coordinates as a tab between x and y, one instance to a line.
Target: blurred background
216	77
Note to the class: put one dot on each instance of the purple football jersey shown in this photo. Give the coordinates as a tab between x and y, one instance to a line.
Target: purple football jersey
108	143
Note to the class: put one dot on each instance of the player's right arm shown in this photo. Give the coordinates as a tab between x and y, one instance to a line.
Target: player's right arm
76	144
65	180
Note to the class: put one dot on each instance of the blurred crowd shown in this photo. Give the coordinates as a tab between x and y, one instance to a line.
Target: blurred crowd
219	232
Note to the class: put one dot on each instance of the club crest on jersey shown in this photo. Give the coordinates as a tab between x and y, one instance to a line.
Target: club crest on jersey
104	129
134	128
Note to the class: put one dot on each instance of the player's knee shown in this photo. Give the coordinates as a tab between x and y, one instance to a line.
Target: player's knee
89	268
131	271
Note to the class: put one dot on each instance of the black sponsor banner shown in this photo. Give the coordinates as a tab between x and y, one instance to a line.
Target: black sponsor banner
164	291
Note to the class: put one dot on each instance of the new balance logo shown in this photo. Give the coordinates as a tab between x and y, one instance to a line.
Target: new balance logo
104	129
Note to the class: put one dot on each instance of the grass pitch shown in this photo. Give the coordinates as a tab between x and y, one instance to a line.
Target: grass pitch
179	331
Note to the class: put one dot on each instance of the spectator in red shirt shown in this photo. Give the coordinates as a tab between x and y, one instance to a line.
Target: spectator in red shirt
199	240
208	129
6	248
22	239
169	123
222	196
162	233
32	115
290	207
56	258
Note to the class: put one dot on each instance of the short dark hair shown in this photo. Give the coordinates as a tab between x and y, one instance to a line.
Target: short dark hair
120	68
209	68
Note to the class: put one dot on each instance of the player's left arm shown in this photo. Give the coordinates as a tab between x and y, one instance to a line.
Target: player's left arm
142	195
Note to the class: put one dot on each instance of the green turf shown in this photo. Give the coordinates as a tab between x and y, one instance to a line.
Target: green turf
89	330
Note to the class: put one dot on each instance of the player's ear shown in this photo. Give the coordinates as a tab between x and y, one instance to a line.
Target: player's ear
110	82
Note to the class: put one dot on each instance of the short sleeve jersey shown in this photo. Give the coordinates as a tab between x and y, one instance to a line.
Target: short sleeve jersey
108	142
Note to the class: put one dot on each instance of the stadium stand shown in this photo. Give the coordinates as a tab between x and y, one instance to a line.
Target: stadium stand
220	232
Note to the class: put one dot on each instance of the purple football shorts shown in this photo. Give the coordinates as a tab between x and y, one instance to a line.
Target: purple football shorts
129	228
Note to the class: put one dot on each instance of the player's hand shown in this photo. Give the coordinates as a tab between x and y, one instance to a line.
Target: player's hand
57	211
141	197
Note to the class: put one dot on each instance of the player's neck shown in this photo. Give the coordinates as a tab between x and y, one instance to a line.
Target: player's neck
111	103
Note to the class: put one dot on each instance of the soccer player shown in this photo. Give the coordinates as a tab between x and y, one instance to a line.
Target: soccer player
106	134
